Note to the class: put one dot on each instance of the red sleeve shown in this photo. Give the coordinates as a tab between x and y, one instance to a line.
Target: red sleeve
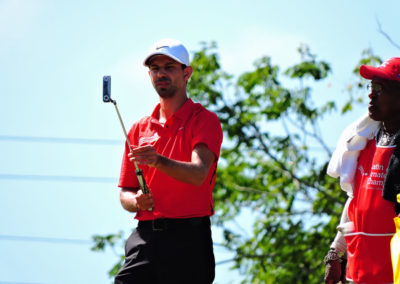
207	130
127	176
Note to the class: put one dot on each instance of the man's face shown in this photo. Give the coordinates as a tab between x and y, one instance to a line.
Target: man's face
167	75
384	102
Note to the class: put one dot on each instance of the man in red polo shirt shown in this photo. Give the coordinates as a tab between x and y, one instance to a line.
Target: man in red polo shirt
367	160
177	148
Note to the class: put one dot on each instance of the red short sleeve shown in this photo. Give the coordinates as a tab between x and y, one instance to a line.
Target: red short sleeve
207	130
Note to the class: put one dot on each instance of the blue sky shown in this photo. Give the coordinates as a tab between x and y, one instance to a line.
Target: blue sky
61	147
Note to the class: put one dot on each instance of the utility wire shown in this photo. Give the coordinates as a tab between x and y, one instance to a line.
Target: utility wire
61	140
58	178
8	282
88	141
45	240
56	240
67	242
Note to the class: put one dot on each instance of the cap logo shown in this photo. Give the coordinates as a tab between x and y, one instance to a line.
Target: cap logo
159	47
168	47
396	70
385	63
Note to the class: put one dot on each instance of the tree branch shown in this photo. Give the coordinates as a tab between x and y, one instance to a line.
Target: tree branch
284	168
248	189
313	135
381	31
225	261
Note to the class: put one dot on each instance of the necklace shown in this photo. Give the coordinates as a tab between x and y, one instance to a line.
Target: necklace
385	138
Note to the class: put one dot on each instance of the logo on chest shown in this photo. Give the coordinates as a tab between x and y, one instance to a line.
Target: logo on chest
148	140
376	177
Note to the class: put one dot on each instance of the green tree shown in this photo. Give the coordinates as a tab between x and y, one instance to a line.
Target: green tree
268	165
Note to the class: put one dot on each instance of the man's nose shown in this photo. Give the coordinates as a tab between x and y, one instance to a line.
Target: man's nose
372	94
161	72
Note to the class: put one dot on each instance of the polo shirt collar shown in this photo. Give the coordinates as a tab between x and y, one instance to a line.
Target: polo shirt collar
182	113
185	110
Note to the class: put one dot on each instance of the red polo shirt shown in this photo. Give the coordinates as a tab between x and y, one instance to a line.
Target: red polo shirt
190	125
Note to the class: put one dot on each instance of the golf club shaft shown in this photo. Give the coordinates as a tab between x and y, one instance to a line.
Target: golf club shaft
139	172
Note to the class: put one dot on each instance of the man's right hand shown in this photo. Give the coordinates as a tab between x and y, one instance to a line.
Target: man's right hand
144	201
133	199
335	269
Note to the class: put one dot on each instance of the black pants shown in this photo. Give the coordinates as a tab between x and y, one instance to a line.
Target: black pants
172	251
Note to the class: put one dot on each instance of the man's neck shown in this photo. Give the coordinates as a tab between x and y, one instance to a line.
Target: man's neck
169	106
391	127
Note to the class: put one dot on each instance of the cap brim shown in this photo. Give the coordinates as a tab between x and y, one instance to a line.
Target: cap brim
370	72
146	60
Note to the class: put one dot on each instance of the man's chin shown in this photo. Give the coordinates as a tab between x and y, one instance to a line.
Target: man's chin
374	116
165	93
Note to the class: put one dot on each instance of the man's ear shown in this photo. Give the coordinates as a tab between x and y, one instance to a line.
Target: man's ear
187	72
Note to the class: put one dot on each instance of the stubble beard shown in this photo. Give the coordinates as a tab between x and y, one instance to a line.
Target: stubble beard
166	93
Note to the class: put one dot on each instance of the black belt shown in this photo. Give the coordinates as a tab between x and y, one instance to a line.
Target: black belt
164	224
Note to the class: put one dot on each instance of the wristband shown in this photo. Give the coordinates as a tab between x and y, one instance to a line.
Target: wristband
333	255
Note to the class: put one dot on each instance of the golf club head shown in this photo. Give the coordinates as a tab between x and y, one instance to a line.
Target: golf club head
107	89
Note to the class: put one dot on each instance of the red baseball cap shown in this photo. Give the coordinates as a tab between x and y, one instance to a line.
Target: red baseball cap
389	70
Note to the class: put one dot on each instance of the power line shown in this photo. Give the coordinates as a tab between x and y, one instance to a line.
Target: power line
45	240
64	140
59	178
38	139
54	240
7	282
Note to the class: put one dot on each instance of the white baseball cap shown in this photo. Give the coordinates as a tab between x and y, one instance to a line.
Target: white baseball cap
171	48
